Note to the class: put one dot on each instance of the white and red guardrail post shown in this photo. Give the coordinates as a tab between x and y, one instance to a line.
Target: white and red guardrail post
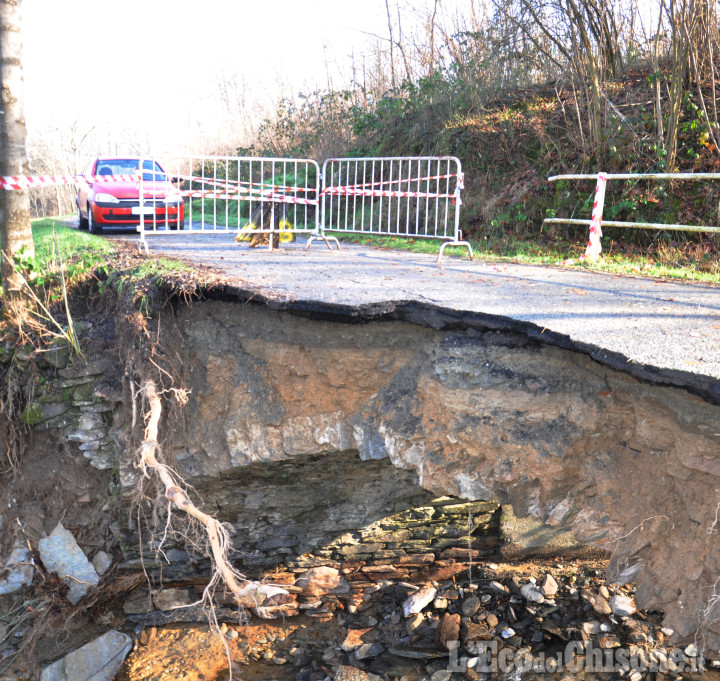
592	252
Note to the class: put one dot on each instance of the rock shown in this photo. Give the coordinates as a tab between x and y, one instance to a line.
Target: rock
591	628
492	620
417	652
271	612
19	569
441	675
531	593
499	588
310	605
101	562
414	622
440	603
598	603
470	606
320	581
477	632
637	637
607	641
345	673
99	660
418	600
169	599
368	650
622	606
60	553
549	586
525	537
58	354
447	633
508	633
138	603
354	638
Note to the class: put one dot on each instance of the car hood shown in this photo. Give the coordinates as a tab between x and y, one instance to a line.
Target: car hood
131	190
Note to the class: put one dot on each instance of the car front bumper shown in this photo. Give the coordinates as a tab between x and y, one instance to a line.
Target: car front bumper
127	212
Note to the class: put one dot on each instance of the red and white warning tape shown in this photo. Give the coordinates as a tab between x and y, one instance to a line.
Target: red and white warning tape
380	183
244	185
229	191
251	191
349	191
375	189
11	182
270	197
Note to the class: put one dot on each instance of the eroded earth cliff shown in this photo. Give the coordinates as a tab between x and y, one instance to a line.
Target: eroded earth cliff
359	445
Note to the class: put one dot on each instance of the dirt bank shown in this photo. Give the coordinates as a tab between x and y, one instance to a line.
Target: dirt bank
375	450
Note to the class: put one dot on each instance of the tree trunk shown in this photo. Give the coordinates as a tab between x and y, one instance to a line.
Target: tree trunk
15	230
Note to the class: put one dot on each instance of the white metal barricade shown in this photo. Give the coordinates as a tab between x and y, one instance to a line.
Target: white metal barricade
415	197
277	197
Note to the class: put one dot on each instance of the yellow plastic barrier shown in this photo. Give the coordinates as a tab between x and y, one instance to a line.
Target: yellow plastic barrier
285	228
286	234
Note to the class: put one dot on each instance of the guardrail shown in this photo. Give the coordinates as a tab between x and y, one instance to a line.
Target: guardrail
416	197
596	222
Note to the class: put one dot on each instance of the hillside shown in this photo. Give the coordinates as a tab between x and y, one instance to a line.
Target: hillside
513	142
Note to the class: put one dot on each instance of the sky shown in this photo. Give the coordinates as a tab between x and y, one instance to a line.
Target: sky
152	66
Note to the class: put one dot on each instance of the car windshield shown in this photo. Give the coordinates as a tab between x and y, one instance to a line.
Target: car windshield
129	166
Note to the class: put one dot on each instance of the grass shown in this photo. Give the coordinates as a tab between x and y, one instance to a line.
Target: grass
220	216
82	252
65	257
56	241
665	260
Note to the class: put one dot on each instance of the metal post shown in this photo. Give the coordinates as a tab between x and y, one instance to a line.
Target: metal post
141	196
592	252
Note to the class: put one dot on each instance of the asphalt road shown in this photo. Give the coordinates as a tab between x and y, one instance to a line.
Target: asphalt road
668	331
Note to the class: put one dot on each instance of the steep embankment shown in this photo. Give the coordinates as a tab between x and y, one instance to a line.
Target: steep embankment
511	145
314	439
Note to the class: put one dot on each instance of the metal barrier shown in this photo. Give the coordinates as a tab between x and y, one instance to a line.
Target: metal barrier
596	222
277	197
415	197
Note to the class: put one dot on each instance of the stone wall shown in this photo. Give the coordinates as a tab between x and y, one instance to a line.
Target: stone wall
78	403
369	519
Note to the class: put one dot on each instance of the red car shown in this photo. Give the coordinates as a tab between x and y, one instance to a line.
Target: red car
117	203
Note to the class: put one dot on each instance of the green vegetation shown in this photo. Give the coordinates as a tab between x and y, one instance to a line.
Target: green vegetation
56	243
66	259
522	90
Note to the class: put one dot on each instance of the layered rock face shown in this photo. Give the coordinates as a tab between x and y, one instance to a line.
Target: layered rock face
482	415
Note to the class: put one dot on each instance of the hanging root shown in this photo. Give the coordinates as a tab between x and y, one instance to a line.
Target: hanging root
246	593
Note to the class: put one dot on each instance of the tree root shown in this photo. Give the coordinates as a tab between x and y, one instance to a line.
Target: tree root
246	593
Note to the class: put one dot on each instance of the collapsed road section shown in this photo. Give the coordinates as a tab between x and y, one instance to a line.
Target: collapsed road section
369	442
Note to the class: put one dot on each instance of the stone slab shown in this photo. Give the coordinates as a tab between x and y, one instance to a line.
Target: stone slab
98	660
60	553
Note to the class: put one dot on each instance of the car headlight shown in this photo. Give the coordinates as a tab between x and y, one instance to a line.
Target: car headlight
174	199
102	197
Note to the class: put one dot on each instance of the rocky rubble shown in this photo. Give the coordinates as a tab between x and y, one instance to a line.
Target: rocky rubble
496	621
